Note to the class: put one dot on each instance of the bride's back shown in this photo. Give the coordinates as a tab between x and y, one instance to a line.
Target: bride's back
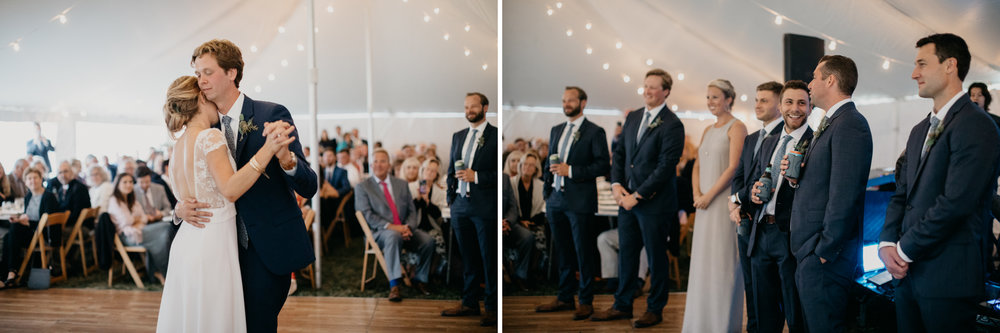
190	171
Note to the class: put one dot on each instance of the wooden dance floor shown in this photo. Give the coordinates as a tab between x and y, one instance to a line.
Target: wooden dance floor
519	316
88	310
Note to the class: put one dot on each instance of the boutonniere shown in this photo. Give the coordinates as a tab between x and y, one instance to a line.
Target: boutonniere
480	142
655	123
822	127
576	136
247	126
932	138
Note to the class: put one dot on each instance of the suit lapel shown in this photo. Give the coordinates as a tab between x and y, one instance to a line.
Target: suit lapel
649	131
554	149
829	124
925	125
572	142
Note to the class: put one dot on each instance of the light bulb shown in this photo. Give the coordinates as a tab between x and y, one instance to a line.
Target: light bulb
777	19
885	64
588	26
467	52
329	9
569	32
618	45
590	51
606	66
467	28
446	36
253	48
680	76
833	45
640	90
649	62
626	78
281	29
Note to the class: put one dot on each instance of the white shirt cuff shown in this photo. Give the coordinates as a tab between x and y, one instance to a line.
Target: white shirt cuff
294	168
570	167
899	250
476	179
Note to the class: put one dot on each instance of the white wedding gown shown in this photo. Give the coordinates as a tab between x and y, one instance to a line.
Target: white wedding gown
204	290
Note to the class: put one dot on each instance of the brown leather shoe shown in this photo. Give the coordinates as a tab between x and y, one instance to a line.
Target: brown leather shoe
489	319
610	314
583	312
648	319
556	305
422	287
394	295
461	311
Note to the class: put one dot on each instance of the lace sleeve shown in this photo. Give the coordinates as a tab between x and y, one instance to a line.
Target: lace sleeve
209	140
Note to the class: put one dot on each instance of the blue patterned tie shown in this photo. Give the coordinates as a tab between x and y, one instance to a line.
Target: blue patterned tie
464	188
645	126
567	136
760	141
934	125
775	170
230	141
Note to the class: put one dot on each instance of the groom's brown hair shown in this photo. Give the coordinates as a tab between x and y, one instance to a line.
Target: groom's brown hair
226	53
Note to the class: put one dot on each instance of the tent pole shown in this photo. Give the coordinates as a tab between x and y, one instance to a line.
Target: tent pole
368	81
314	128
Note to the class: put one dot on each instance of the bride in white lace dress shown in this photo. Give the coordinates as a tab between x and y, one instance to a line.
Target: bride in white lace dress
204	291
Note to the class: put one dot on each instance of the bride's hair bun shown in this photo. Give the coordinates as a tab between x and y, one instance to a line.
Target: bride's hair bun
182	103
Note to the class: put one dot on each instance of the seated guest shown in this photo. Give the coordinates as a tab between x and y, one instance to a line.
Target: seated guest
527	191
100	188
39	163
411	169
325	142
6	193
607	245
16	177
388	207
37	202
335	186
430	195
71	193
346	162
129	218
510	166
152	196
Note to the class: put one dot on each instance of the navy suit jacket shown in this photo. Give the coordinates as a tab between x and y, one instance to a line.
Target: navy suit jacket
745	175
785	197
482	195
651	163
268	209
828	209
77	198
939	213
588	157
338	181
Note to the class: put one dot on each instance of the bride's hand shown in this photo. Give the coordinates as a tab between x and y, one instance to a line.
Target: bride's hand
278	138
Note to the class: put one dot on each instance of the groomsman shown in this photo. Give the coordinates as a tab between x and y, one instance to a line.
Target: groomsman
644	184
828	208
571	198
472	196
767	112
937	218
773	266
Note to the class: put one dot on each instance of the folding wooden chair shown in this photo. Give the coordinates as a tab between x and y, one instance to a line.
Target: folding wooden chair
371	248
339	217
38	245
123	251
309	273
78	238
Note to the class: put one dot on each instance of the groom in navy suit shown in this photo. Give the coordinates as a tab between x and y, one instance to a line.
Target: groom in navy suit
273	241
828	207
644	184
472	196
571	198
938	217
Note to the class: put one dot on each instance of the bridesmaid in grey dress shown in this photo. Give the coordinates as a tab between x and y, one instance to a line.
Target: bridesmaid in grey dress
715	287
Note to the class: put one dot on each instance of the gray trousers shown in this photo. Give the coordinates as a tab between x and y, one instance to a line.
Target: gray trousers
391	242
156	239
607	245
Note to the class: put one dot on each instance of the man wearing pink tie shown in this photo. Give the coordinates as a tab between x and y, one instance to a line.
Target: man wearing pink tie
388	207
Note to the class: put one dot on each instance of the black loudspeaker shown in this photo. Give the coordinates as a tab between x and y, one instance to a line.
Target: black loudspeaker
802	53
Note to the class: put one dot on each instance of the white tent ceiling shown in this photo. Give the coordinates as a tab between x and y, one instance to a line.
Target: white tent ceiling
733	39
116	58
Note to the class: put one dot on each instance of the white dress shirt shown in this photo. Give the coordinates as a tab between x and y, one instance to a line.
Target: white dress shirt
833	109
569	146
767	129
796	136
472	139
652	114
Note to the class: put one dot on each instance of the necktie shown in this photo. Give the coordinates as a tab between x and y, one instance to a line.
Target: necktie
230	141
149	201
567	136
780	153
927	143
644	127
329	175
392	204
760	140
464	188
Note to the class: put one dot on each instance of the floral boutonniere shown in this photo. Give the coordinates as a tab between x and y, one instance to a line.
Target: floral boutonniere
656	123
576	136
822	127
247	126
932	138
480	142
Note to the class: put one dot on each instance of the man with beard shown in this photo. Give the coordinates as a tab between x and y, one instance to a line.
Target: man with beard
773	267
472	196
766	110
644	185
571	198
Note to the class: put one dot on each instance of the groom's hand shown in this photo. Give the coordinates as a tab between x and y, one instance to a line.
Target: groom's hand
284	155
187	210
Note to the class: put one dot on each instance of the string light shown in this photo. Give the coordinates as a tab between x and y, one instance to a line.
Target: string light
885	64
743	98
680	76
316	29
589	50
484	67
446	36
569	32
257	89
284	62
588	26
606	66
640	90
62	18
833	45
16	45
649	62
673	107
559	5
467	27
270	77
437	11
467	52
549	11
427	18
626	78
329	9
777	19
281	29
253	48
300	47
618	45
